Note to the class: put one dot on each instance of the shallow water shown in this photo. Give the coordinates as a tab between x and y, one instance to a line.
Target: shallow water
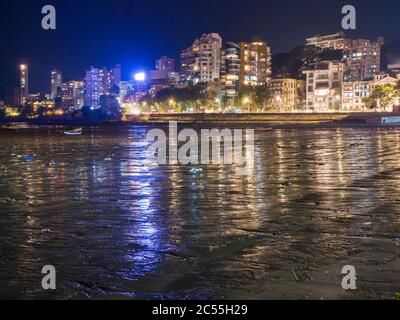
113	227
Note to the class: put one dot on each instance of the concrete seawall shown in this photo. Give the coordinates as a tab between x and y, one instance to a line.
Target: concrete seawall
262	118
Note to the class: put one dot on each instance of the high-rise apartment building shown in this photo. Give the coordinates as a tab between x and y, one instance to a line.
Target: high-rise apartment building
255	63
73	95
363	59
230	69
24	81
56	81
201	62
93	82
104	81
323	85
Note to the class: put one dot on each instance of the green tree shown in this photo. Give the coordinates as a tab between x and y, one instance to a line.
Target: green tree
382	96
257	97
178	99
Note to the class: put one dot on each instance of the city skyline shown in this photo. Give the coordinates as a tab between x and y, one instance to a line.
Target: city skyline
177	67
334	66
135	40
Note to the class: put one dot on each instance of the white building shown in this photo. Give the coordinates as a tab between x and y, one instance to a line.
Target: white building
354	93
202	61
323	86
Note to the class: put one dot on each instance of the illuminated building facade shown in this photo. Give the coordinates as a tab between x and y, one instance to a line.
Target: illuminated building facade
230	69
56	81
202	61
354	93
363	59
287	94
73	95
323	86
104	81
93	82
24	81
255	63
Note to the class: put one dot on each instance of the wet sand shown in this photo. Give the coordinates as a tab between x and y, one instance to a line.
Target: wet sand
319	199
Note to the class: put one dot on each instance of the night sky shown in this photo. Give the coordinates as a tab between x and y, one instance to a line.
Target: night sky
134	33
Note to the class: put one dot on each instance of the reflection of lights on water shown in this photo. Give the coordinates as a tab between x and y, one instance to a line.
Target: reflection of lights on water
145	229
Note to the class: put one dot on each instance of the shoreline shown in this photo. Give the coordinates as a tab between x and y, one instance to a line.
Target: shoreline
274	120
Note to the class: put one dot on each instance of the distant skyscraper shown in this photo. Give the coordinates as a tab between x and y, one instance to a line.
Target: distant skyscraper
165	63
255	63
24	80
56	81
202	61
93	82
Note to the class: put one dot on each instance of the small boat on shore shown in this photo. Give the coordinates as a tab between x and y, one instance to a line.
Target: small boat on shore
73	131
